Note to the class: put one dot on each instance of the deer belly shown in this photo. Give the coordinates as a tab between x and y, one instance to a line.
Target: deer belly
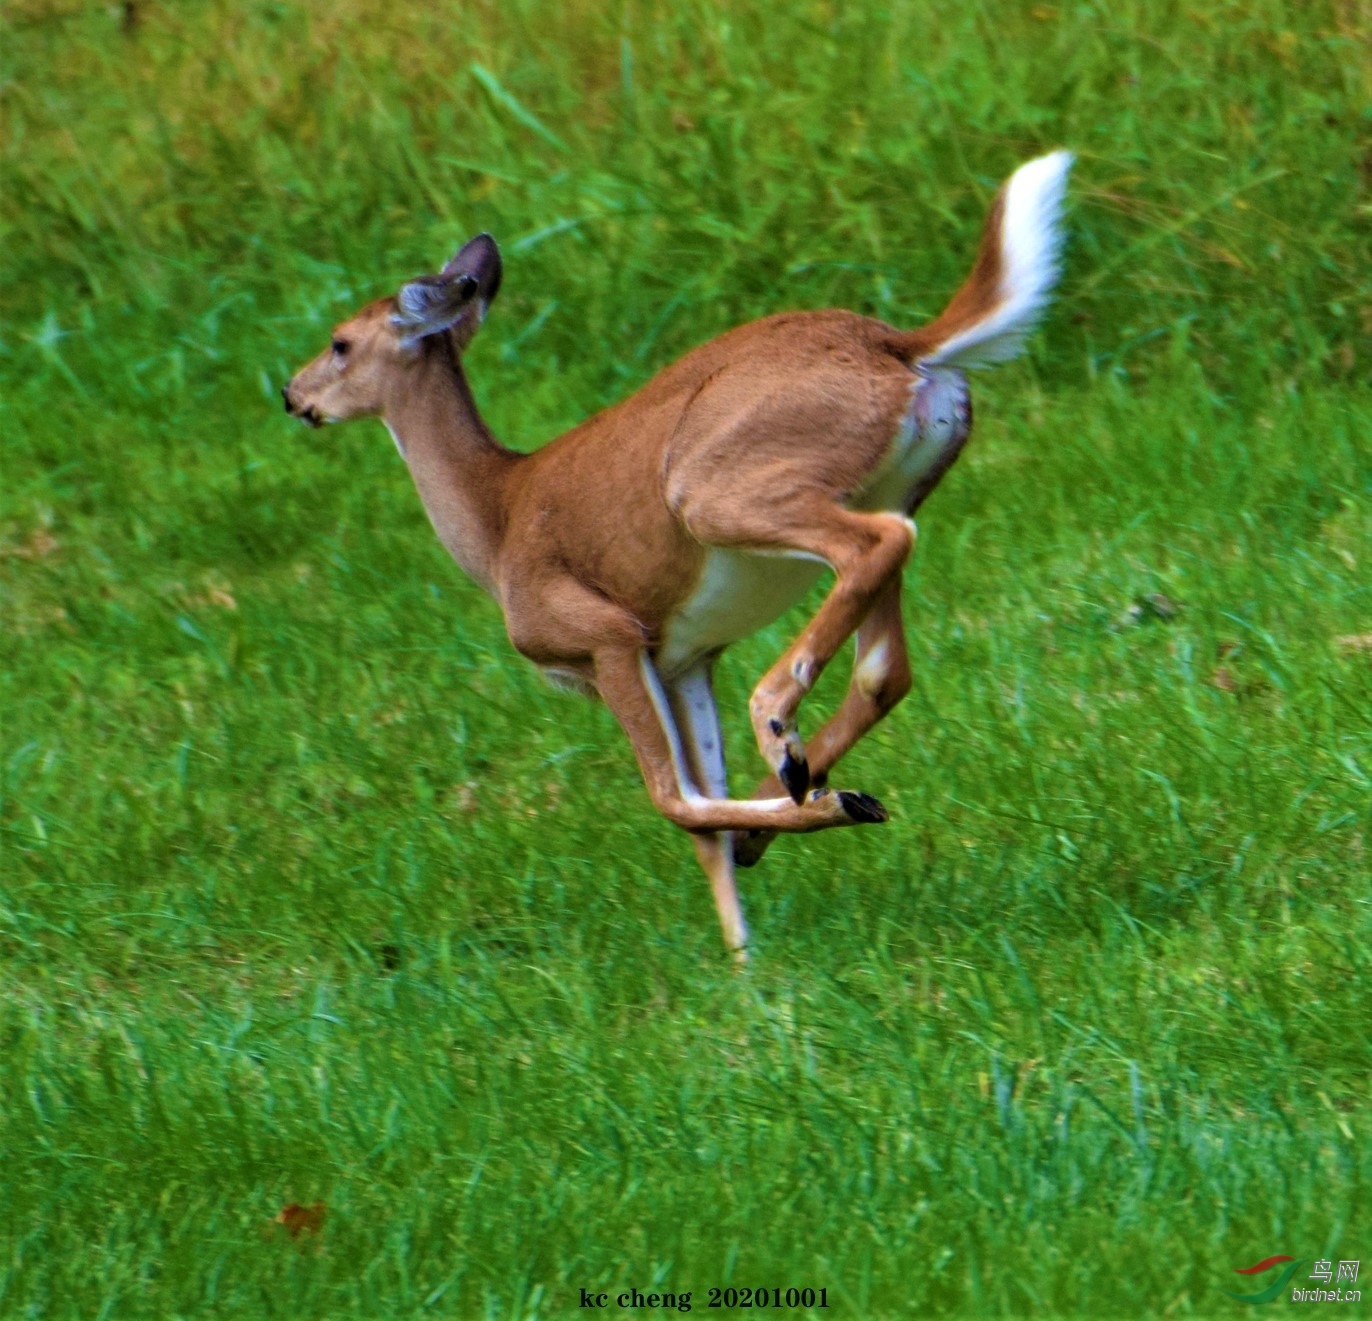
934	428
738	593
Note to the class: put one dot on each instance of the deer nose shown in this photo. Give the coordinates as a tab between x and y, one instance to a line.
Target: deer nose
286	398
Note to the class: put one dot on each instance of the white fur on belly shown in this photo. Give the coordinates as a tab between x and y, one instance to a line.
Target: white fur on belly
739	592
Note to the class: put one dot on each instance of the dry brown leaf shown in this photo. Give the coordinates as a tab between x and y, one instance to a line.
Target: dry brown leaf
301	1219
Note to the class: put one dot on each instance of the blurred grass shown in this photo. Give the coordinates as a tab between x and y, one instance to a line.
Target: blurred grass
312	891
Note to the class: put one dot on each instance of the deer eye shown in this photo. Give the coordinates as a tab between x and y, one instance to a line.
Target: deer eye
340	347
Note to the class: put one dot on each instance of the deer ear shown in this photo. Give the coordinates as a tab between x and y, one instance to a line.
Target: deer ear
431	304
479	259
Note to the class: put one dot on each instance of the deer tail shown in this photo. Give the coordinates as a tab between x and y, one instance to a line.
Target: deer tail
989	318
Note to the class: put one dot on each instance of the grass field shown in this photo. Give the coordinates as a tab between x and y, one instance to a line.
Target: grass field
313	892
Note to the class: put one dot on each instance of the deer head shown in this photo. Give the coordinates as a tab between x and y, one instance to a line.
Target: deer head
376	347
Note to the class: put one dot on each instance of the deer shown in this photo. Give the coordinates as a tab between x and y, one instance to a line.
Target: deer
628	553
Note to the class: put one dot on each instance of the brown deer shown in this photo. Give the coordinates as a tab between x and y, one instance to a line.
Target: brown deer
629	552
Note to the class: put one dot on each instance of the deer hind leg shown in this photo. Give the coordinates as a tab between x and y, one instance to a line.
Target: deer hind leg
867	552
881	678
692	701
628	682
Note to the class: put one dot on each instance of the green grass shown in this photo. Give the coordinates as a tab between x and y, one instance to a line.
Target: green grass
312	890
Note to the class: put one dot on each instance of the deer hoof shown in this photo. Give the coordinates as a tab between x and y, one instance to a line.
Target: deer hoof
794	774
862	808
750	845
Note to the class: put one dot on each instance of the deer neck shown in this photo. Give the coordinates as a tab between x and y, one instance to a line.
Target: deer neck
460	470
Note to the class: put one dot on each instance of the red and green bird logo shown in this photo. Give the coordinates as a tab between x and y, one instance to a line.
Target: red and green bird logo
1272	1290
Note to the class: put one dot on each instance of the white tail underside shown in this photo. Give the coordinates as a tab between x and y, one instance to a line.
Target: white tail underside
1030	245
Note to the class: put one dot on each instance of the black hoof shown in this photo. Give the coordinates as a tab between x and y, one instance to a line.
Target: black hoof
795	775
862	808
750	845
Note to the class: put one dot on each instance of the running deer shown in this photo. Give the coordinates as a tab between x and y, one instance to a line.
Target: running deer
629	552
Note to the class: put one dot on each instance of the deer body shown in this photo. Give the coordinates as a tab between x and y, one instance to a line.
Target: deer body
699	564
629	552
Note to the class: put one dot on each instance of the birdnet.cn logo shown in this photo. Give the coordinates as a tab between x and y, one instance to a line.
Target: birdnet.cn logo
1327	1273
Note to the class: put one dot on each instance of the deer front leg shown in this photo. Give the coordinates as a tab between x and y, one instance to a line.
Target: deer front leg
867	552
881	678
692	701
628	682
